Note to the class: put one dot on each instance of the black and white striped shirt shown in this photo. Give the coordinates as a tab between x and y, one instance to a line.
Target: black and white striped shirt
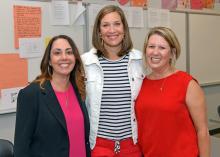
115	112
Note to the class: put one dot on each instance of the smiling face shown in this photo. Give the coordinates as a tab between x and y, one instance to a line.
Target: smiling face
158	53
62	58
112	30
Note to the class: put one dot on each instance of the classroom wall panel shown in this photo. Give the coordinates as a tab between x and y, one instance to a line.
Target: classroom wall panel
7	25
204	47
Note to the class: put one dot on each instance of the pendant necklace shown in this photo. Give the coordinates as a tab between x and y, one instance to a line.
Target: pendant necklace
162	85
165	79
66	99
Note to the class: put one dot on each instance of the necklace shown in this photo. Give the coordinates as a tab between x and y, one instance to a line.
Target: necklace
162	85
66	99
166	75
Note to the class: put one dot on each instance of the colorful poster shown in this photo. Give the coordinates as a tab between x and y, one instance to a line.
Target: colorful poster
27	23
139	3
169	4
123	2
197	4
183	4
209	4
13	71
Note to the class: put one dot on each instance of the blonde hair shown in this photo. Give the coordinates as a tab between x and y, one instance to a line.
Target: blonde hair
170	37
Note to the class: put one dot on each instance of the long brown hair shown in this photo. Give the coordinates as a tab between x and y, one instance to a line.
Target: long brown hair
77	74
127	44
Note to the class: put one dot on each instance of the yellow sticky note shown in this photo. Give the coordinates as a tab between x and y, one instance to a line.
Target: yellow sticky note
46	41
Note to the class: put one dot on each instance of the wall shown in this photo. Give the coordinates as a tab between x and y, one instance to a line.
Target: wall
204	37
7	123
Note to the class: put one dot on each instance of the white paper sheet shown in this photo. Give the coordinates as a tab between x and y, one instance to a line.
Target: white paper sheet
30	47
137	17
9	99
158	17
59	13
155	4
79	19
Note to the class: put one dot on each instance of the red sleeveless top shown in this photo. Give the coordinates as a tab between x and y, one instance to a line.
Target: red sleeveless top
165	127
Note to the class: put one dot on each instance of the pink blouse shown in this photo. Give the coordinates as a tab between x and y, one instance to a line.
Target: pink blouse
74	121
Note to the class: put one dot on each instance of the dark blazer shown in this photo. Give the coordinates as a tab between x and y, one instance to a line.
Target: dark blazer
40	129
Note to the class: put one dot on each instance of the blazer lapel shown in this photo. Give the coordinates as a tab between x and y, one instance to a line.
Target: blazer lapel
53	104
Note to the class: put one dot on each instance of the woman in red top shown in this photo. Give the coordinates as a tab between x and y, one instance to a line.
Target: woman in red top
170	108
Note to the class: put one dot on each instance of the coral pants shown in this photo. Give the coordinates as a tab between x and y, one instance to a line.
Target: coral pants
106	148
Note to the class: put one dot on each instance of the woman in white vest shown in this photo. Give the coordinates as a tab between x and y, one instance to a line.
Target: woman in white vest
114	75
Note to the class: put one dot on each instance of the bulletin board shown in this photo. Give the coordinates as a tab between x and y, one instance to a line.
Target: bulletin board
48	31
